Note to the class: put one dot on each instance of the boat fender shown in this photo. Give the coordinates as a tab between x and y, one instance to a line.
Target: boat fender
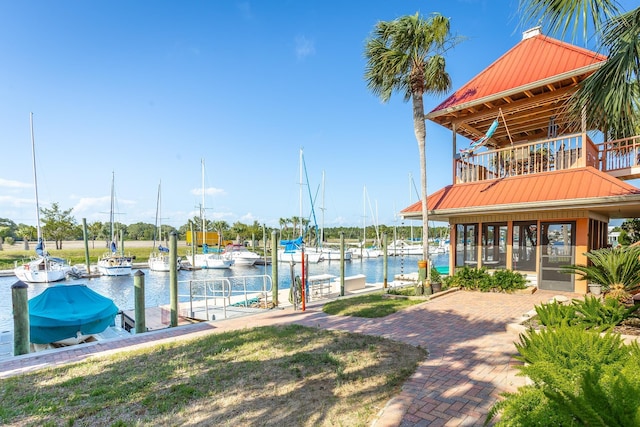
26	266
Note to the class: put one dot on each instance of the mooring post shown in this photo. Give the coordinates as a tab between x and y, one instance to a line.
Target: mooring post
20	303
85	235
138	290
385	261
342	263
173	277
274	268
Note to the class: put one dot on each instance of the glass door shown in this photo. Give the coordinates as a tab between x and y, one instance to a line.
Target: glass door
557	249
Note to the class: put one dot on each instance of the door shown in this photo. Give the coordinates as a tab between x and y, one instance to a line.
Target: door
557	249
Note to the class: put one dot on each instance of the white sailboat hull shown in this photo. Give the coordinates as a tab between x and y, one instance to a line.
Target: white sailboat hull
41	271
296	256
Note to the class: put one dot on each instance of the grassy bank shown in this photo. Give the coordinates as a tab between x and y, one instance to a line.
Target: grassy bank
272	376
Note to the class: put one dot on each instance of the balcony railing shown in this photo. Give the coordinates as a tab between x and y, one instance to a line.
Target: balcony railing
621	158
565	152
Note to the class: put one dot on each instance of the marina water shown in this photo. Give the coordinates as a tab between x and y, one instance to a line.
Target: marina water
120	289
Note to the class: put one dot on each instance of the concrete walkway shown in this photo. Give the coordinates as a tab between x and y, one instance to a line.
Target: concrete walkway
470	358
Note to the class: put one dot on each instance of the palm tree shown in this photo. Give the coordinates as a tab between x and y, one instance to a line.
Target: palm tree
616	269
406	55
609	97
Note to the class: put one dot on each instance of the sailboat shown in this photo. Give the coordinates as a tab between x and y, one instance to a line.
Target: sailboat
43	268
292	250
114	263
207	259
160	260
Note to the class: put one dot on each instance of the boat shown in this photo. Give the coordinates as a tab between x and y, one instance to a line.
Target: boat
160	259
241	255
404	247
114	262
69	314
292	250
209	259
43	268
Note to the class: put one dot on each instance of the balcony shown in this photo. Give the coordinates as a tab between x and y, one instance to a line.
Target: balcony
620	158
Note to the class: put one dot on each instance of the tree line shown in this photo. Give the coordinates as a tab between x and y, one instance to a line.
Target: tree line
59	224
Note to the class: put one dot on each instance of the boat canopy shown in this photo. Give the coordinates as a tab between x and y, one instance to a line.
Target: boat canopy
63	311
291	245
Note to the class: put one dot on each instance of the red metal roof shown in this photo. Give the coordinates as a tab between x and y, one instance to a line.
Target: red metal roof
542	188
531	60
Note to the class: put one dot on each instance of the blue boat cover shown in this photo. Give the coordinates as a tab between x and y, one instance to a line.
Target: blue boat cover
163	249
291	245
61	311
40	247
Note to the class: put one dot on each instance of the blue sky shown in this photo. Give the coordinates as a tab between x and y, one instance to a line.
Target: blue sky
147	89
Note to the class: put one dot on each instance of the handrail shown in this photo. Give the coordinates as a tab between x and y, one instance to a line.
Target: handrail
620	154
564	152
229	290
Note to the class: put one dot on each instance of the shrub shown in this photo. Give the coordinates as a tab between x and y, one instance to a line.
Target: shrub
556	314
579	377
598	315
481	280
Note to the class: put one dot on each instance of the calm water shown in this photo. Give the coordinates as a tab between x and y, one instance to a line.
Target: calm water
120	289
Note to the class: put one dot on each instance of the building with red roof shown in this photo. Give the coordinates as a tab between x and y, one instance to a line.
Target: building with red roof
535	192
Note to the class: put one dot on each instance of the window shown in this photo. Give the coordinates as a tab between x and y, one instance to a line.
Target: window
494	245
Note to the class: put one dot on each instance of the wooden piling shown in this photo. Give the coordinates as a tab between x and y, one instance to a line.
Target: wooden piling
342	263
173	277
138	290
20	301
385	261
274	268
85	236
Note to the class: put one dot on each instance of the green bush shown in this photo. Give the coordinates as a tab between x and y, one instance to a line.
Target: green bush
9	240
579	377
556	314
601	316
481	280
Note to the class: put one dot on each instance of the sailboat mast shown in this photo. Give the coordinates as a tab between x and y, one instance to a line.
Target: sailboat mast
364	216
301	183
204	231
111	216
35	178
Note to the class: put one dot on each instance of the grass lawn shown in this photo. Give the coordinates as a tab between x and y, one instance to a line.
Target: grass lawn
273	376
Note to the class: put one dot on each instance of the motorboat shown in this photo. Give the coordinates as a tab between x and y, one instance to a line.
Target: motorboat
69	312
241	255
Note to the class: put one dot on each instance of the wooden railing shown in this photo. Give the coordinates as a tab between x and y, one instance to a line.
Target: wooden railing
620	154
565	152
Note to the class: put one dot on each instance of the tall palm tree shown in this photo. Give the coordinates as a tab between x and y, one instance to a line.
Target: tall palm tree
610	97
406	56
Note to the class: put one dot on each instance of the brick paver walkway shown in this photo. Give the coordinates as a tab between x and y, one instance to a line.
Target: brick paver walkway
470	352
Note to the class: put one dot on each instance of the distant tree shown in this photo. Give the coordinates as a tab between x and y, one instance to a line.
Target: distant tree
240	230
631	227
95	230
142	231
58	225
7	228
220	227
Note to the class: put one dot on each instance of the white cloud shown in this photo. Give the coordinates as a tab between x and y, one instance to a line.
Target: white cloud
8	183
211	191
304	47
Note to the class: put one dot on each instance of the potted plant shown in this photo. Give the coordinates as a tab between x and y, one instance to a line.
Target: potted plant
436	280
595	288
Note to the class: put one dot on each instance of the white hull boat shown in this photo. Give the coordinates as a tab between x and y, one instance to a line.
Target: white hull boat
241	256
43	270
